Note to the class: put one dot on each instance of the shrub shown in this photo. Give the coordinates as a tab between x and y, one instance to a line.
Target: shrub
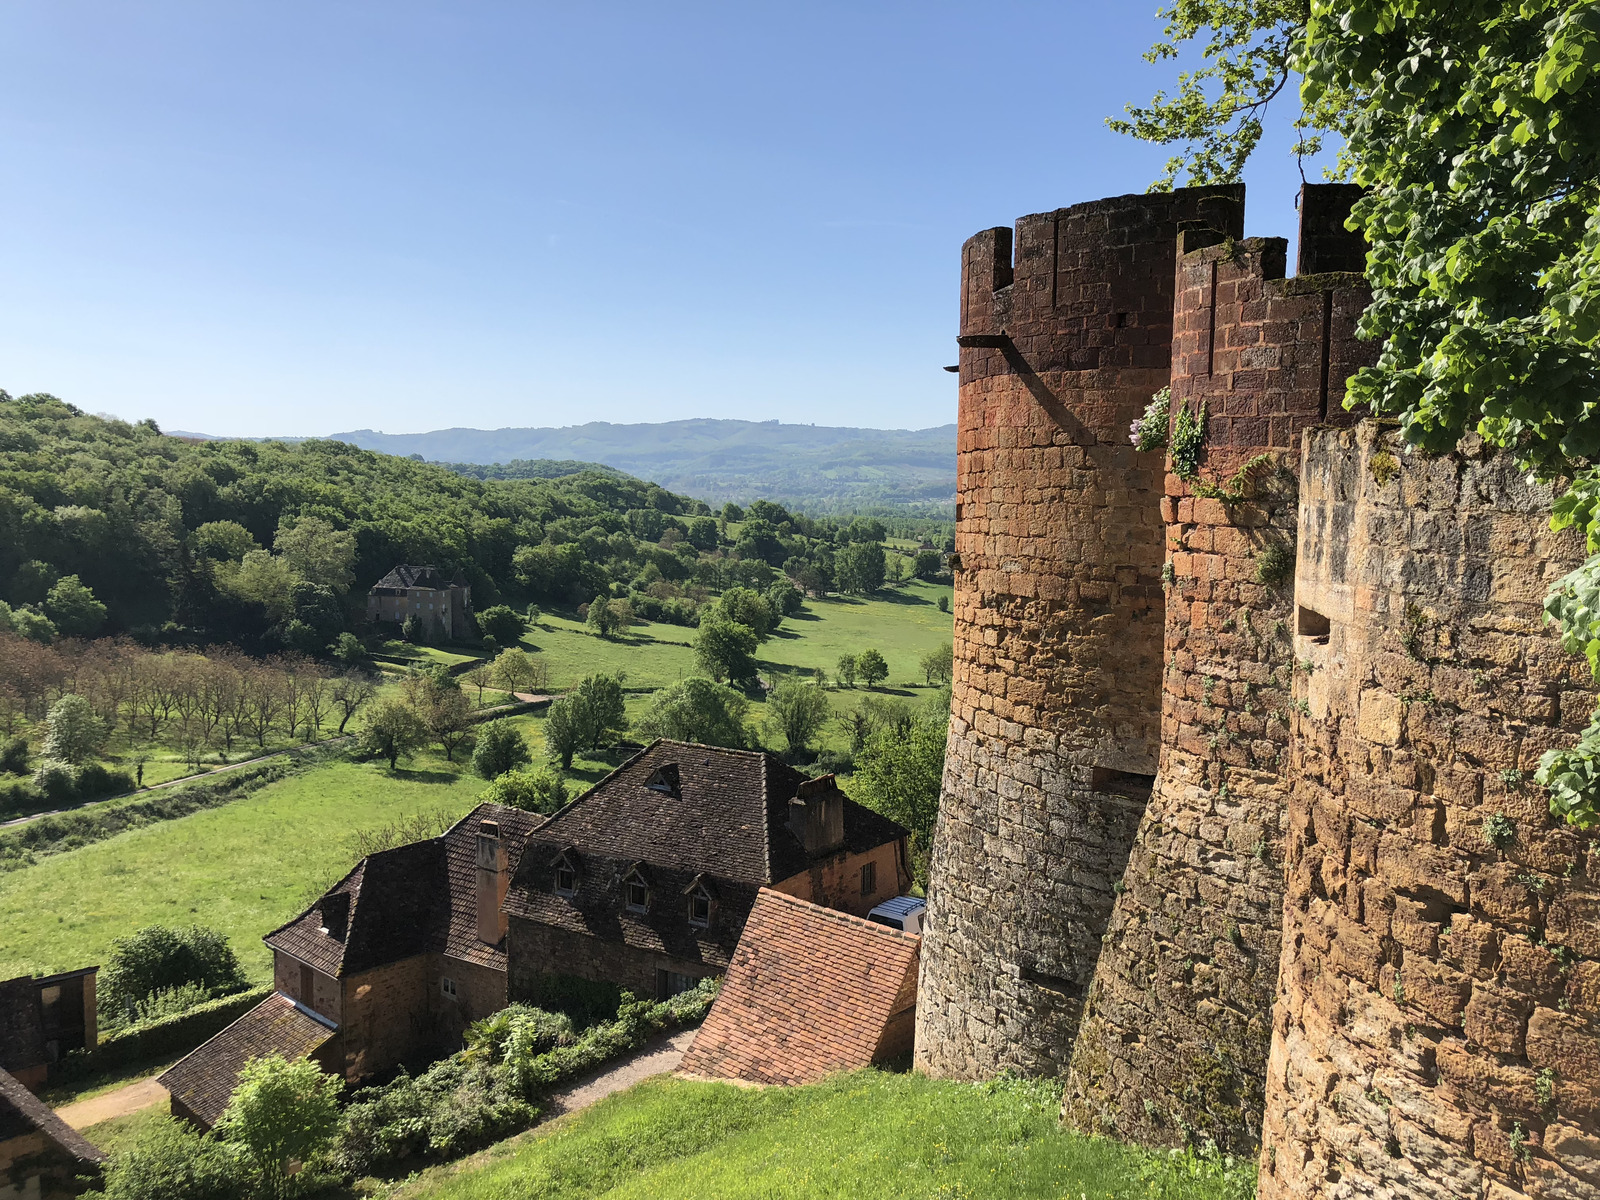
502	623
501	748
871	667
56	780
1149	431
281	1112
73	733
14	756
158	958
170	1161
94	780
532	789
528	1030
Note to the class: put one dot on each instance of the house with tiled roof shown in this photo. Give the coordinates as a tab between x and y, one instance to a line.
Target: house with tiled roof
41	1156
388	967
646	880
441	604
810	991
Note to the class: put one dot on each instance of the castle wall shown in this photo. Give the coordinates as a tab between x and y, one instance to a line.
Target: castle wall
1177	1026
1435	1029
1055	721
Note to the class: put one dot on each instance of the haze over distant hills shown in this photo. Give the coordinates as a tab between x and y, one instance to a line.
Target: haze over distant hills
818	468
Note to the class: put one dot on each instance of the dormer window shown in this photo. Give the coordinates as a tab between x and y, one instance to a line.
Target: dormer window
702	902
665	780
565	868
636	892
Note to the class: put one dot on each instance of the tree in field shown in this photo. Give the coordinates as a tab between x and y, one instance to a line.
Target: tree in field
603	617
443	708
317	552
944	604
600	709
938	665
480	677
784	598
871	667
928	564
518	671
73	734
697	710
349	694
847	668
348	651
532	789
858	569
282	1113
747	607
73	608
562	735
503	623
501	748
393	731
724	649
797	711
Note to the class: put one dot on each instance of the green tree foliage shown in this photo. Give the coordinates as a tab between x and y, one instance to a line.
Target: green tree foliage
796	711
227	541
563	735
858	568
697	710
599	707
503	623
73	608
73	732
393	731
938	665
159	958
317	552
517	671
725	649
703	533
848	669
171	1161
14	756
603	619
441	706
501	747
872	668
744	606
532	789
898	772
928	564
282	1113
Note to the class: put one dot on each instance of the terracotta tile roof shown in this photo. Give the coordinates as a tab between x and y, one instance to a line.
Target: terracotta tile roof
728	820
22	1112
204	1080
406	901
810	991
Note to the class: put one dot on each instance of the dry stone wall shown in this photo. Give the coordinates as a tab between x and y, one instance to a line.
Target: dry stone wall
1177	1026
1058	620
1438	999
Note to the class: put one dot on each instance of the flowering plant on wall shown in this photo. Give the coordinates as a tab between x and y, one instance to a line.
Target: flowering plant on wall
1149	431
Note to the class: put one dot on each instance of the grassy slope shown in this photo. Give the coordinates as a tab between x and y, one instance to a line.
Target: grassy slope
862	1134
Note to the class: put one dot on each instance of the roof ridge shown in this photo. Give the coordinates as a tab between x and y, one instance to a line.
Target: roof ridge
842	917
766	827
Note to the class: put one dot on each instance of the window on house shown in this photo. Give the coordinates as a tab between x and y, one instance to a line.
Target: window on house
666	781
566	879
700	908
636	893
447	986
671	983
869	878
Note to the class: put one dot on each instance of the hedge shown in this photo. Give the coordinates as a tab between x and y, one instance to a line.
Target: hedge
165	1038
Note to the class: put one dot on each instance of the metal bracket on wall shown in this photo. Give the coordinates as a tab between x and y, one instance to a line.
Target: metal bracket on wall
984	341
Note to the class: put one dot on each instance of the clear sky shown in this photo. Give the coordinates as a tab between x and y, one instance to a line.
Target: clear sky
300	218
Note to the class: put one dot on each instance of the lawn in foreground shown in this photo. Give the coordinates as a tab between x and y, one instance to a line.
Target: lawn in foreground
868	1133
243	868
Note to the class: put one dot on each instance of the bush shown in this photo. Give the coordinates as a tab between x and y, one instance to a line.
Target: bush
501	748
282	1112
532	789
94	780
157	958
585	1001
170	1161
14	756
56	780
502	623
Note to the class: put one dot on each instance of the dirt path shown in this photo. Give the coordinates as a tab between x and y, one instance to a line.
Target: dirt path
119	1103
656	1058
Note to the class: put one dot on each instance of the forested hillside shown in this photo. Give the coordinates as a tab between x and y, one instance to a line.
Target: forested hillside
107	527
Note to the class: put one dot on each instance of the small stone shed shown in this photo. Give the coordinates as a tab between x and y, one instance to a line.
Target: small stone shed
810	991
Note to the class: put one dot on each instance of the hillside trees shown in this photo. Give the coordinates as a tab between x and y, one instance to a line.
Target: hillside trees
797	710
697	710
725	649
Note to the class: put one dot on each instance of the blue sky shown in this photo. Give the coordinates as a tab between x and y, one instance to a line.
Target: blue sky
300	218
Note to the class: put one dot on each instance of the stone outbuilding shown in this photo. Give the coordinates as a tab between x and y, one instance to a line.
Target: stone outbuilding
41	1156
44	1017
810	991
646	880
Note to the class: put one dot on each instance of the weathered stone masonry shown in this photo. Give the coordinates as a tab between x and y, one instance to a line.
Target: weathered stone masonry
1178	1021
1055	716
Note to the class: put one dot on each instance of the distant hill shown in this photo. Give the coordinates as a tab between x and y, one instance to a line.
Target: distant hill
818	468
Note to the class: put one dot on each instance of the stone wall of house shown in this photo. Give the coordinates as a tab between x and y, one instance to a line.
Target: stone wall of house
480	992
835	881
386	1016
1439	989
1055	716
1176	1029
327	993
535	950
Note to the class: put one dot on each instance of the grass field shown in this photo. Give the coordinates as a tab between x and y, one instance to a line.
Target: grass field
864	1134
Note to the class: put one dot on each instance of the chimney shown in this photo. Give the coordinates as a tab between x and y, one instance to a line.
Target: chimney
816	815
492	883
336	915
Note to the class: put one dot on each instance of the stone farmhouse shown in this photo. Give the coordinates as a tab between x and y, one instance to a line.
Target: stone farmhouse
41	1157
422	592
647	879
1235	832
644	882
42	1018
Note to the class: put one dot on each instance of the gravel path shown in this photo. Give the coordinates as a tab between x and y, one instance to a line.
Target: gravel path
655	1058
119	1103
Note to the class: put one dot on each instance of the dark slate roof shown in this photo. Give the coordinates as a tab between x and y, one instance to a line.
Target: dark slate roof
405	576
22	1112
810	991
407	901
728	823
204	1080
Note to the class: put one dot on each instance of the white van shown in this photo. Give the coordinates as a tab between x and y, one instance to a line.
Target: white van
903	913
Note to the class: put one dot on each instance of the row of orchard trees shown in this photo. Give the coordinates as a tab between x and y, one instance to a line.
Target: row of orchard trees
214	700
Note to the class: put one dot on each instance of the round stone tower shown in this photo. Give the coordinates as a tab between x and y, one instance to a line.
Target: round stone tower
1056	711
